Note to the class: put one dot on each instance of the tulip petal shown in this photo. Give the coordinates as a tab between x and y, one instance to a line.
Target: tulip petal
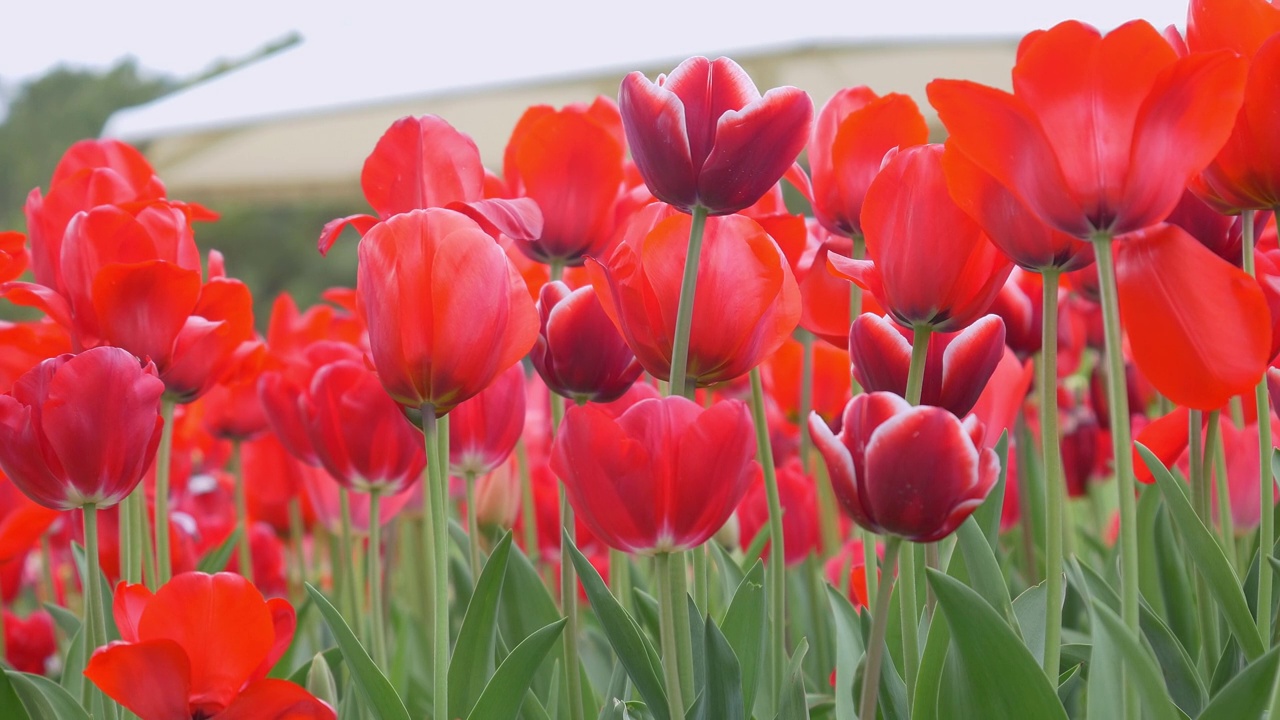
720	443
881	355
276	700
519	219
421	162
657	133
21	528
127	606
40	297
143	307
333	229
1167	437
118	668
754	147
968	362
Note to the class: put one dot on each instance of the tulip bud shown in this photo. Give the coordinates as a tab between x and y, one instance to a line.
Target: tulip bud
579	353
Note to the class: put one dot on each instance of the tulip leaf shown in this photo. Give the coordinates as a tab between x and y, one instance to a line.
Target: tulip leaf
504	694
1175	584
473	660
10	705
744	628
1029	608
1125	656
731	573
794	705
72	679
1248	695
987	516
1208	557
849	651
44	699
931	674
721	697
216	559
527	605
380	698
998	676
66	620
634	650
984	570
332	658
320	681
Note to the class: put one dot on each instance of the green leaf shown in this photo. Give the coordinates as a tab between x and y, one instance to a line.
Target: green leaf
505	692
984	570
1248	695
987	516
72	679
320	680
216	559
527	605
721	698
473	660
44	698
1209	558
730	571
1176	584
794	705
332	658
744	627
1113	639
849	651
379	696
1069	685
1029	608
10	705
634	650
1000	677
64	618
931	673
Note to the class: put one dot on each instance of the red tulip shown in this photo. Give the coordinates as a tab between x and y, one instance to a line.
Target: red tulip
26	344
1199	328
579	353
783	372
825	298
436	342
930	263
1220	233
1240	448
798	496
81	429
852	560
204	643
484	430
13	255
956	369
746	303
29	642
359	434
641	481
1088	148
280	388
232	408
273	479
1082	443
916	472
703	136
571	162
851	136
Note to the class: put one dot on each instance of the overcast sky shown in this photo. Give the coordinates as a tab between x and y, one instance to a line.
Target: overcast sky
182	37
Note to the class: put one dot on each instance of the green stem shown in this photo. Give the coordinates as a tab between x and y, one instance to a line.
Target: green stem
1266	482
346	543
297	534
164	567
1055	487
528	513
855	308
473	526
94	614
684	634
130	556
909	612
375	578
1200	501
1122	446
568	583
242	514
684	310
919	353
669	604
870	561
775	570
879	624
620	577
1027	470
436	433
1213	468
701	582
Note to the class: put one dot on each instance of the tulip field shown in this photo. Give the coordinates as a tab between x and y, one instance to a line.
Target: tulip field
621	430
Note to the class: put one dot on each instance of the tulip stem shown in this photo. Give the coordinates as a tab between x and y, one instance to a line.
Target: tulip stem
348	586
568	580
684	309
130	557
163	568
620	577
436	433
1121	445
684	628
879	624
1266	482
776	567
870	559
528	512
473	526
375	578
242	514
669	604
94	617
1200	501
910	616
919	353
1055	487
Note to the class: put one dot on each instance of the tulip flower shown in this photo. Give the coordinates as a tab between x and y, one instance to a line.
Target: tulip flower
280	388
205	644
915	472
798	495
850	559
851	136
956	368
831	383
579	353
13	255
746	303
704	136
930	264
81	429
640	481
26	344
483	430
29	642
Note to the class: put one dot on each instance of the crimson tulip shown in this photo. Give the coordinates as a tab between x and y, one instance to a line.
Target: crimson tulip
579	353
205	644
915	472
437	343
81	429
746	303
930	264
1085	148
851	136
640	481
956	368
704	136
29	642
484	430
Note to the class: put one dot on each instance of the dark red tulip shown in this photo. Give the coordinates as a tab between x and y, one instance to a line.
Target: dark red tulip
640	481
81	429
579	353
851	136
1087	148
798	496
917	472
746	304
1220	233
1020	304
929	263
438	343
1082	443
29	642
956	369
703	135
484	430
205	643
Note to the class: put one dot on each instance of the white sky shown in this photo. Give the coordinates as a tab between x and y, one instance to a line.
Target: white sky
183	37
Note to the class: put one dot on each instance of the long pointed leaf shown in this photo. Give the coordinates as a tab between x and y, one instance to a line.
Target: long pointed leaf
744	627
1139	666
1248	695
504	694
473	660
377	692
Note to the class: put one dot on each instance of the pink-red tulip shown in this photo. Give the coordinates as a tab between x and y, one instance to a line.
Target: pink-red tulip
484	430
579	353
